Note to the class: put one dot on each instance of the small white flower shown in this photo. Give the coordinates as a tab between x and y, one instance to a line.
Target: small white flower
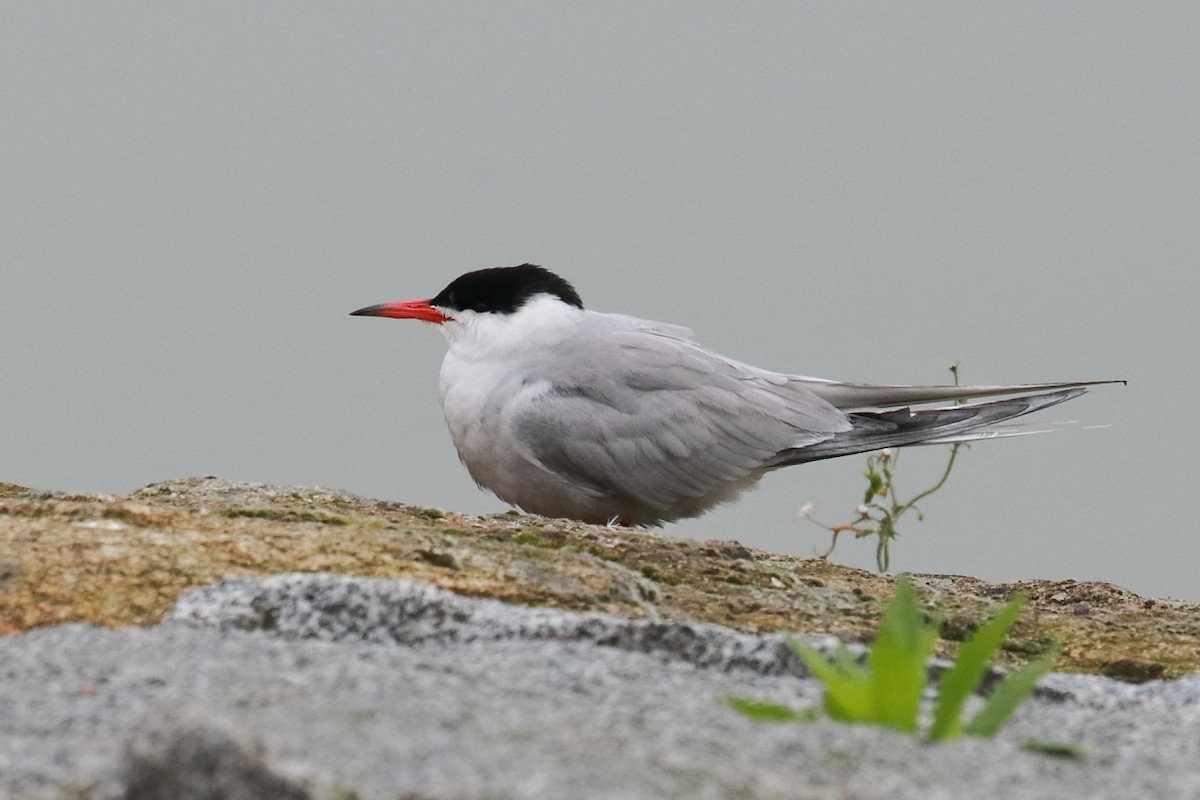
806	509
863	512
886	452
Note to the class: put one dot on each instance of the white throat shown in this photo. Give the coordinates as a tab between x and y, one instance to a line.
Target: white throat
543	320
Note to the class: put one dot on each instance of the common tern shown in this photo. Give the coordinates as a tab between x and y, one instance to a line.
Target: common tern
567	412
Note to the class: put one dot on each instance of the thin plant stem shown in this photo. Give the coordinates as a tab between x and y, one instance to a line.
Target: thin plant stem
880	519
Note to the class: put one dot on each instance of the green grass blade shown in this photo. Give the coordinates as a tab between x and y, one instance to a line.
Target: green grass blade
761	711
847	663
897	659
849	701
1008	695
847	685
960	680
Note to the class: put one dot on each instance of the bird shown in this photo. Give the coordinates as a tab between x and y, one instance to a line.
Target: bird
605	418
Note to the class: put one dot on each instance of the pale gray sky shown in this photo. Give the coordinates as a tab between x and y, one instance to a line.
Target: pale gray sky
196	194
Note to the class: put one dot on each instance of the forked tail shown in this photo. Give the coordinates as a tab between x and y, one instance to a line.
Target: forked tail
875	430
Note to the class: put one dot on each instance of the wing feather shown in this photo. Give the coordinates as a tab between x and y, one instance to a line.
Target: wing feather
665	420
853	396
636	413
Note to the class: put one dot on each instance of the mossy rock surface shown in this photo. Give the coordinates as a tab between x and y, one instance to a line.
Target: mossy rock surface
119	561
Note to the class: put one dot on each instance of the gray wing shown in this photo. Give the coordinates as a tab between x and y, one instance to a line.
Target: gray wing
850	396
643	413
907	426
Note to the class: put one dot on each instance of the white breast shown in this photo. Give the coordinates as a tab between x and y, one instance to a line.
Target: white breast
490	372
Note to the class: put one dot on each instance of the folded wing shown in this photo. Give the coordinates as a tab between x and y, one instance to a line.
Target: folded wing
656	419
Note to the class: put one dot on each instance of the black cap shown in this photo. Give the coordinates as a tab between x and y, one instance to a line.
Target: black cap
503	290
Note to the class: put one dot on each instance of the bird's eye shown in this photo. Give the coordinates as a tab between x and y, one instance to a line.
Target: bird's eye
480	306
